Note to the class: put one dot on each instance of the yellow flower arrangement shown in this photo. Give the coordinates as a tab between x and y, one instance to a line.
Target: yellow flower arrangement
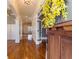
50	10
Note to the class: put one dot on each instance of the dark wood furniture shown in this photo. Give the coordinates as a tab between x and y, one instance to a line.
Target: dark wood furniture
60	41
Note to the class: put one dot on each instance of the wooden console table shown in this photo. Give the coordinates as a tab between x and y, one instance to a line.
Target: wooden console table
60	41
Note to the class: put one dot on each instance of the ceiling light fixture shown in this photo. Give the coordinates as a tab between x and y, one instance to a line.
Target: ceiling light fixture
28	2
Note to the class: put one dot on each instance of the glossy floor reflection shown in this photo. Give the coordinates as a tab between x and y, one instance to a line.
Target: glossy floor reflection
25	50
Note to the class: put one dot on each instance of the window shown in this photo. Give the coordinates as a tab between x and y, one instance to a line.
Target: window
41	31
69	4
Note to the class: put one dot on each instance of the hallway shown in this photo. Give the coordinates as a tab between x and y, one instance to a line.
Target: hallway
39	29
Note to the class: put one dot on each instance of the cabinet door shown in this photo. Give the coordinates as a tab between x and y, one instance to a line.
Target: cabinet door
53	47
66	48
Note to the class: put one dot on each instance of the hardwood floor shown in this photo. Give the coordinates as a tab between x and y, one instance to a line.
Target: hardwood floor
26	50
11	49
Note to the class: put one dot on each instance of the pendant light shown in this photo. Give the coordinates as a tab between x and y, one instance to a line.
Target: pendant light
28	2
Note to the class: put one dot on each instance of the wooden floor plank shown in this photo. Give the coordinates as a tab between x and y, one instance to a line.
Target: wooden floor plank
26	50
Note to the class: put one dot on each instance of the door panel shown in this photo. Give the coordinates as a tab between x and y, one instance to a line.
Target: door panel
66	48
54	47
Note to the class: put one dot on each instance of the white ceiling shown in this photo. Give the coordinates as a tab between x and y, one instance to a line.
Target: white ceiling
23	9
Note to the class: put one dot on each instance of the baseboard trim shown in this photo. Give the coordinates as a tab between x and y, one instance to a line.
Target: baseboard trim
13	40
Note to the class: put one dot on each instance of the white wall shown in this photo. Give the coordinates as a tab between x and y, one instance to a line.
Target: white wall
10	31
13	32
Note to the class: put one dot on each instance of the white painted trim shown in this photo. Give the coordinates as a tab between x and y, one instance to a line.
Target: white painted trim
17	31
43	38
